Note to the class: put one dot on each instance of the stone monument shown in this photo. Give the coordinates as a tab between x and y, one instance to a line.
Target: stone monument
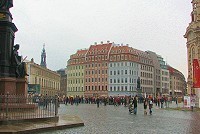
12	80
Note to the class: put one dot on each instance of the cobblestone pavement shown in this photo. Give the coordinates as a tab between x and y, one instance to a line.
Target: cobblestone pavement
116	120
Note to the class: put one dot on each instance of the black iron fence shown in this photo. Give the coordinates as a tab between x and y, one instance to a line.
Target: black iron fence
16	107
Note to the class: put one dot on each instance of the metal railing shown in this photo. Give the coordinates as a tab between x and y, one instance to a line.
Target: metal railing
16	107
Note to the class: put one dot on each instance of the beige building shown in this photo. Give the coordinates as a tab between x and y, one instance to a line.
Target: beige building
146	73
177	82
193	42
76	73
48	80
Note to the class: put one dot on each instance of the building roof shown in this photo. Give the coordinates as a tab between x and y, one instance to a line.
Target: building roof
99	49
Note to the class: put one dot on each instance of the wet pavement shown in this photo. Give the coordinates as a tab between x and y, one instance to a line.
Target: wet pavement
43	125
116	120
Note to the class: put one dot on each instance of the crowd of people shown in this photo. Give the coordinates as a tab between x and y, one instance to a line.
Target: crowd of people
127	101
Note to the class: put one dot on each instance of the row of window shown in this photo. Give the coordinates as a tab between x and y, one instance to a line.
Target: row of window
124	64
96	65
95	72
112	58
165	73
122	88
75	89
96	80
75	74
75	81
146	61
122	57
75	67
122	72
96	58
47	83
146	75
118	72
146	82
104	65
45	73
147	68
96	88
123	80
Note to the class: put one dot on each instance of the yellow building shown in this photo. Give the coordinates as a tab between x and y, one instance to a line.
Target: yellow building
76	74
48	80
193	42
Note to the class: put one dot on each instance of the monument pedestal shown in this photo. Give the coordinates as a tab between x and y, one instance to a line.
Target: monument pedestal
8	86
21	86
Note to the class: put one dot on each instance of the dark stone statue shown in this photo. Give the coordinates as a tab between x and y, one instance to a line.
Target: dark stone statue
20	67
6	4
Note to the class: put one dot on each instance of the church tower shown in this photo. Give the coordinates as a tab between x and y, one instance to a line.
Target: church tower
193	42
43	58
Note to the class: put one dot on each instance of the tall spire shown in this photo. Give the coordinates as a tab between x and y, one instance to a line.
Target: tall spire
43	58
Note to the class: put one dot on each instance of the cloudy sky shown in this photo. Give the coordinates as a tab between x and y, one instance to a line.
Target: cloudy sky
68	25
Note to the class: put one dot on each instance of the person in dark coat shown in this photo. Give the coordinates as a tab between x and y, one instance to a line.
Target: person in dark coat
97	101
145	106
135	105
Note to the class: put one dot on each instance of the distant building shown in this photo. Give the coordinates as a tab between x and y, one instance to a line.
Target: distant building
63	82
76	74
109	69
49	81
123	71
146	73
177	82
41	80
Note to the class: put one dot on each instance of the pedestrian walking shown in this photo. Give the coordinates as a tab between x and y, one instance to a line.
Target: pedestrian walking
97	101
150	107
46	101
145	106
135	105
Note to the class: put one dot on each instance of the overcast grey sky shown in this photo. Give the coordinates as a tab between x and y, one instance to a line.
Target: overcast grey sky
68	25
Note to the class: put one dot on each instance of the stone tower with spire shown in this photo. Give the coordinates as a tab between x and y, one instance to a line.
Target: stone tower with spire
43	58
193	42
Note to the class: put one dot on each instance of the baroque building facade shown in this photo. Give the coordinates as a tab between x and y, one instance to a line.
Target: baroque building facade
41	80
193	42
48	80
76	74
123	71
109	69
